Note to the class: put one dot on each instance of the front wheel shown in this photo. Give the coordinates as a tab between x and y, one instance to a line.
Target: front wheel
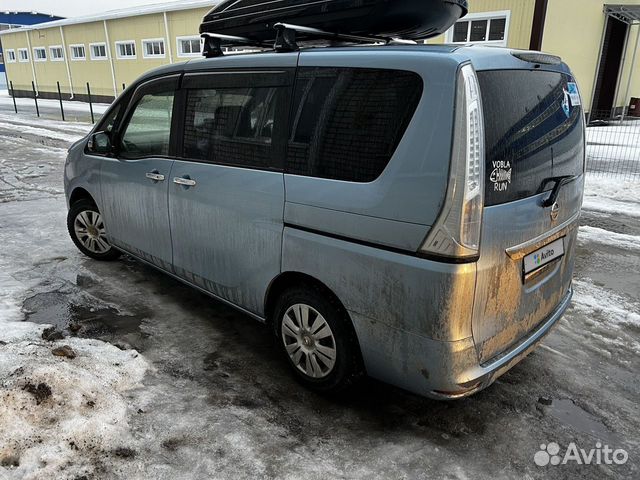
317	339
87	230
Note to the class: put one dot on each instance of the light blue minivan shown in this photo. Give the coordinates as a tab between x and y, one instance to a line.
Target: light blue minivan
408	212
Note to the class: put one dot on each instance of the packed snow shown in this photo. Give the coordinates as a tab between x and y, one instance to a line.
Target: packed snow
57	414
69	418
600	235
618	141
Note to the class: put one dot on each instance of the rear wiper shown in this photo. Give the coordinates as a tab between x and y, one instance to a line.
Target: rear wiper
558	183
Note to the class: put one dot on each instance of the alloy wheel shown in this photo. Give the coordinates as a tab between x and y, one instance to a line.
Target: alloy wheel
89	229
309	341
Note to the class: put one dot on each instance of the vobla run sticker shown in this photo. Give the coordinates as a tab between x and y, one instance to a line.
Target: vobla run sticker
500	175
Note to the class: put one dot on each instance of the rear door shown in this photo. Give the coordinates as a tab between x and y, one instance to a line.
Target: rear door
226	194
534	127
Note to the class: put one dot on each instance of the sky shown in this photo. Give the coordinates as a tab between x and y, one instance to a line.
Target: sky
71	8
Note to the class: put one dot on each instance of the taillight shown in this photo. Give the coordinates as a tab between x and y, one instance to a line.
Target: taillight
456	233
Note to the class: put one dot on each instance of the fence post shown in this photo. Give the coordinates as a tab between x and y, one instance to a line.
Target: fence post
35	97
90	104
13	95
60	98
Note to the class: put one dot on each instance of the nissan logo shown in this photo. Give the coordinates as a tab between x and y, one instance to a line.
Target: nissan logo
555	210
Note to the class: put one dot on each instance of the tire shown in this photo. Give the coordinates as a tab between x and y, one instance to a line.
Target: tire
84	217
328	328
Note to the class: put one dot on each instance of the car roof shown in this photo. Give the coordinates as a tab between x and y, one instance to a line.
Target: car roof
482	57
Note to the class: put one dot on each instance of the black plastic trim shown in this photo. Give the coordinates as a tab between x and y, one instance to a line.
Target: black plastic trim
400	251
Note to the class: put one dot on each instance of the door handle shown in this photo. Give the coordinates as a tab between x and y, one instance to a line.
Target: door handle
187	182
155	176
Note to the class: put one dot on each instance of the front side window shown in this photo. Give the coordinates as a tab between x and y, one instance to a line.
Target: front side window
490	28
108	121
189	47
98	51
23	54
77	52
153	48
126	50
148	131
11	56
347	122
232	126
40	54
57	54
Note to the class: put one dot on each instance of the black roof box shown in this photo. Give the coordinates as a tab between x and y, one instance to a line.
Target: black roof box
407	19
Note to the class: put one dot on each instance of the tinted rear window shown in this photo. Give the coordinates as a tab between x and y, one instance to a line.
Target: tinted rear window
347	122
533	132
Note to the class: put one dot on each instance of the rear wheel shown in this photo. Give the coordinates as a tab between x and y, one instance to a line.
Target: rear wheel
87	230
316	337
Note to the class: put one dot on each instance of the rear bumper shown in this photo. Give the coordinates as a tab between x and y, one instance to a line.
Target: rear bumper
483	375
446	370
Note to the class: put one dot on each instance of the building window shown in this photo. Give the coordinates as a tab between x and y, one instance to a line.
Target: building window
189	46
126	50
11	56
23	55
153	48
488	28
77	52
98	51
57	53
40	54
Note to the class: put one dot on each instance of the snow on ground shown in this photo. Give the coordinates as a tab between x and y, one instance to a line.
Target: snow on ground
56	413
215	405
73	134
612	194
614	150
600	235
610	319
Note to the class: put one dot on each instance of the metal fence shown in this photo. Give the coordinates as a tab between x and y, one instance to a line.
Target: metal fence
613	145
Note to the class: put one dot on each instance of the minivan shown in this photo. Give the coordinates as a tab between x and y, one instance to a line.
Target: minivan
406	212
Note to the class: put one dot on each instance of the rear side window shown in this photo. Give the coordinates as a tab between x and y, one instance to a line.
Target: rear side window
232	126
347	122
534	131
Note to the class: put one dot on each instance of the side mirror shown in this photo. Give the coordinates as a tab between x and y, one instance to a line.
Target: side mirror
99	143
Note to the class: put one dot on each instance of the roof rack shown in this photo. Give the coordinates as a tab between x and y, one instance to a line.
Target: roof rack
213	43
287	37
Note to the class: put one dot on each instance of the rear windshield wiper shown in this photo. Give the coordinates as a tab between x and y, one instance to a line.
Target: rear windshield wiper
558	183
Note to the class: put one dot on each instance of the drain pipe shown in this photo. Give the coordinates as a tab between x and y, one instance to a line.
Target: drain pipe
66	61
166	31
113	70
33	67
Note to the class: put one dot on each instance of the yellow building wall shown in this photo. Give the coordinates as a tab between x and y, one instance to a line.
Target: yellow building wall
184	23
520	22
98	73
573	30
20	74
47	73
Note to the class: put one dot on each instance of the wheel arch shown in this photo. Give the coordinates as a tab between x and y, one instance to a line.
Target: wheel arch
289	279
79	193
